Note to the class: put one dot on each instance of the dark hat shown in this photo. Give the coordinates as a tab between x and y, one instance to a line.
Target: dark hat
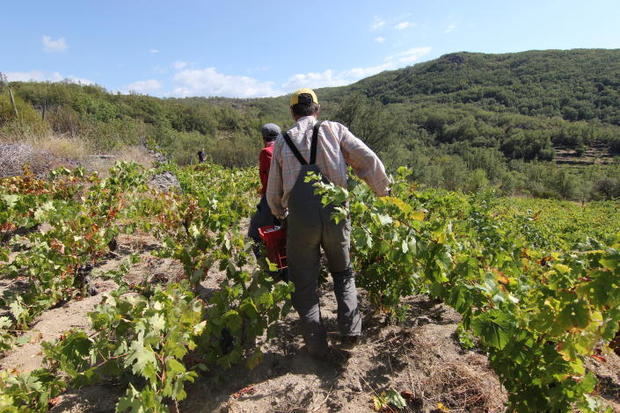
270	131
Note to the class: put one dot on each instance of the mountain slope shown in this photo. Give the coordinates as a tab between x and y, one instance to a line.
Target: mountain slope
464	121
574	84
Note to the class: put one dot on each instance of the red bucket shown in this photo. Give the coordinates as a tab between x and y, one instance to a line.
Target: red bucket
274	238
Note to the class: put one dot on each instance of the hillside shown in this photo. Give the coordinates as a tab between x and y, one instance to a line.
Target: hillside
573	84
469	119
464	121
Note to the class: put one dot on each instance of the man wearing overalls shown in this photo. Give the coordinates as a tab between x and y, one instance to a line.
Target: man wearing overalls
327	148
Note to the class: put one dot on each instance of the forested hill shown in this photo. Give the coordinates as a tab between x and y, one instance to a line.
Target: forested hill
543	123
574	84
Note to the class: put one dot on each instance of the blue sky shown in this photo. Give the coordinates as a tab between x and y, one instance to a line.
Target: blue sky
247	48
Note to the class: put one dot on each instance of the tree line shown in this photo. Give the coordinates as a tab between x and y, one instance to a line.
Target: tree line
465	121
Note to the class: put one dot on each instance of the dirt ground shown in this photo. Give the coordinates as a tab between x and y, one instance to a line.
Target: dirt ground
421	359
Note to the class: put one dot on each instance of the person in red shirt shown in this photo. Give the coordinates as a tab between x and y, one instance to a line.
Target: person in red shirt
263	216
270	132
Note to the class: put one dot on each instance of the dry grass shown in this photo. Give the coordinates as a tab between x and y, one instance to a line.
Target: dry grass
137	154
463	386
438	372
62	147
48	151
59	146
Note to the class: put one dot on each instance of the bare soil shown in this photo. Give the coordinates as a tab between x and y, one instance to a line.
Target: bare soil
421	359
50	326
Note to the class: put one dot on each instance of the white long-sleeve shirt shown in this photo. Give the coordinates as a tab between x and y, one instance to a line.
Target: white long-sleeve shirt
337	147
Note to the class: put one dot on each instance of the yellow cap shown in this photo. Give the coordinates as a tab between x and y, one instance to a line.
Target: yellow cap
295	96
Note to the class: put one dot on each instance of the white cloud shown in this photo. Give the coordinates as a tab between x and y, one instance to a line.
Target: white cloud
403	25
34	75
409	56
39	76
153	51
380	39
54	45
210	82
188	81
377	23
315	79
178	65
160	70
330	78
450	28
362	72
144	86
78	80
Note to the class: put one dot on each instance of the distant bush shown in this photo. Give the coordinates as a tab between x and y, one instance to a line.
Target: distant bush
607	188
28	122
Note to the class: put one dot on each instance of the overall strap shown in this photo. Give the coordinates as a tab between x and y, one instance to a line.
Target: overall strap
293	148
313	145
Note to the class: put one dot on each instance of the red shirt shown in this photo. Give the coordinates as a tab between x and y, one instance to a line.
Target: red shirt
264	163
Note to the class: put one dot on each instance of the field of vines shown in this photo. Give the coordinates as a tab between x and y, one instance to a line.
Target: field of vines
537	283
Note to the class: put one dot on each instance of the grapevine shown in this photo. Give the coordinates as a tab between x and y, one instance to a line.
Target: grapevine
538	314
537	302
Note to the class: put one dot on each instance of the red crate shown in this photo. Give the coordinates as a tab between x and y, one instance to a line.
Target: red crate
274	238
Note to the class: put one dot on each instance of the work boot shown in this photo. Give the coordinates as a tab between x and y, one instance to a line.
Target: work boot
316	341
348	342
333	356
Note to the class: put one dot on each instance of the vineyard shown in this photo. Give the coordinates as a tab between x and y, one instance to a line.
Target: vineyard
535	286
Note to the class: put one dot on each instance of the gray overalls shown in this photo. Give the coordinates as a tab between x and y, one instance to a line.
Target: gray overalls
310	227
